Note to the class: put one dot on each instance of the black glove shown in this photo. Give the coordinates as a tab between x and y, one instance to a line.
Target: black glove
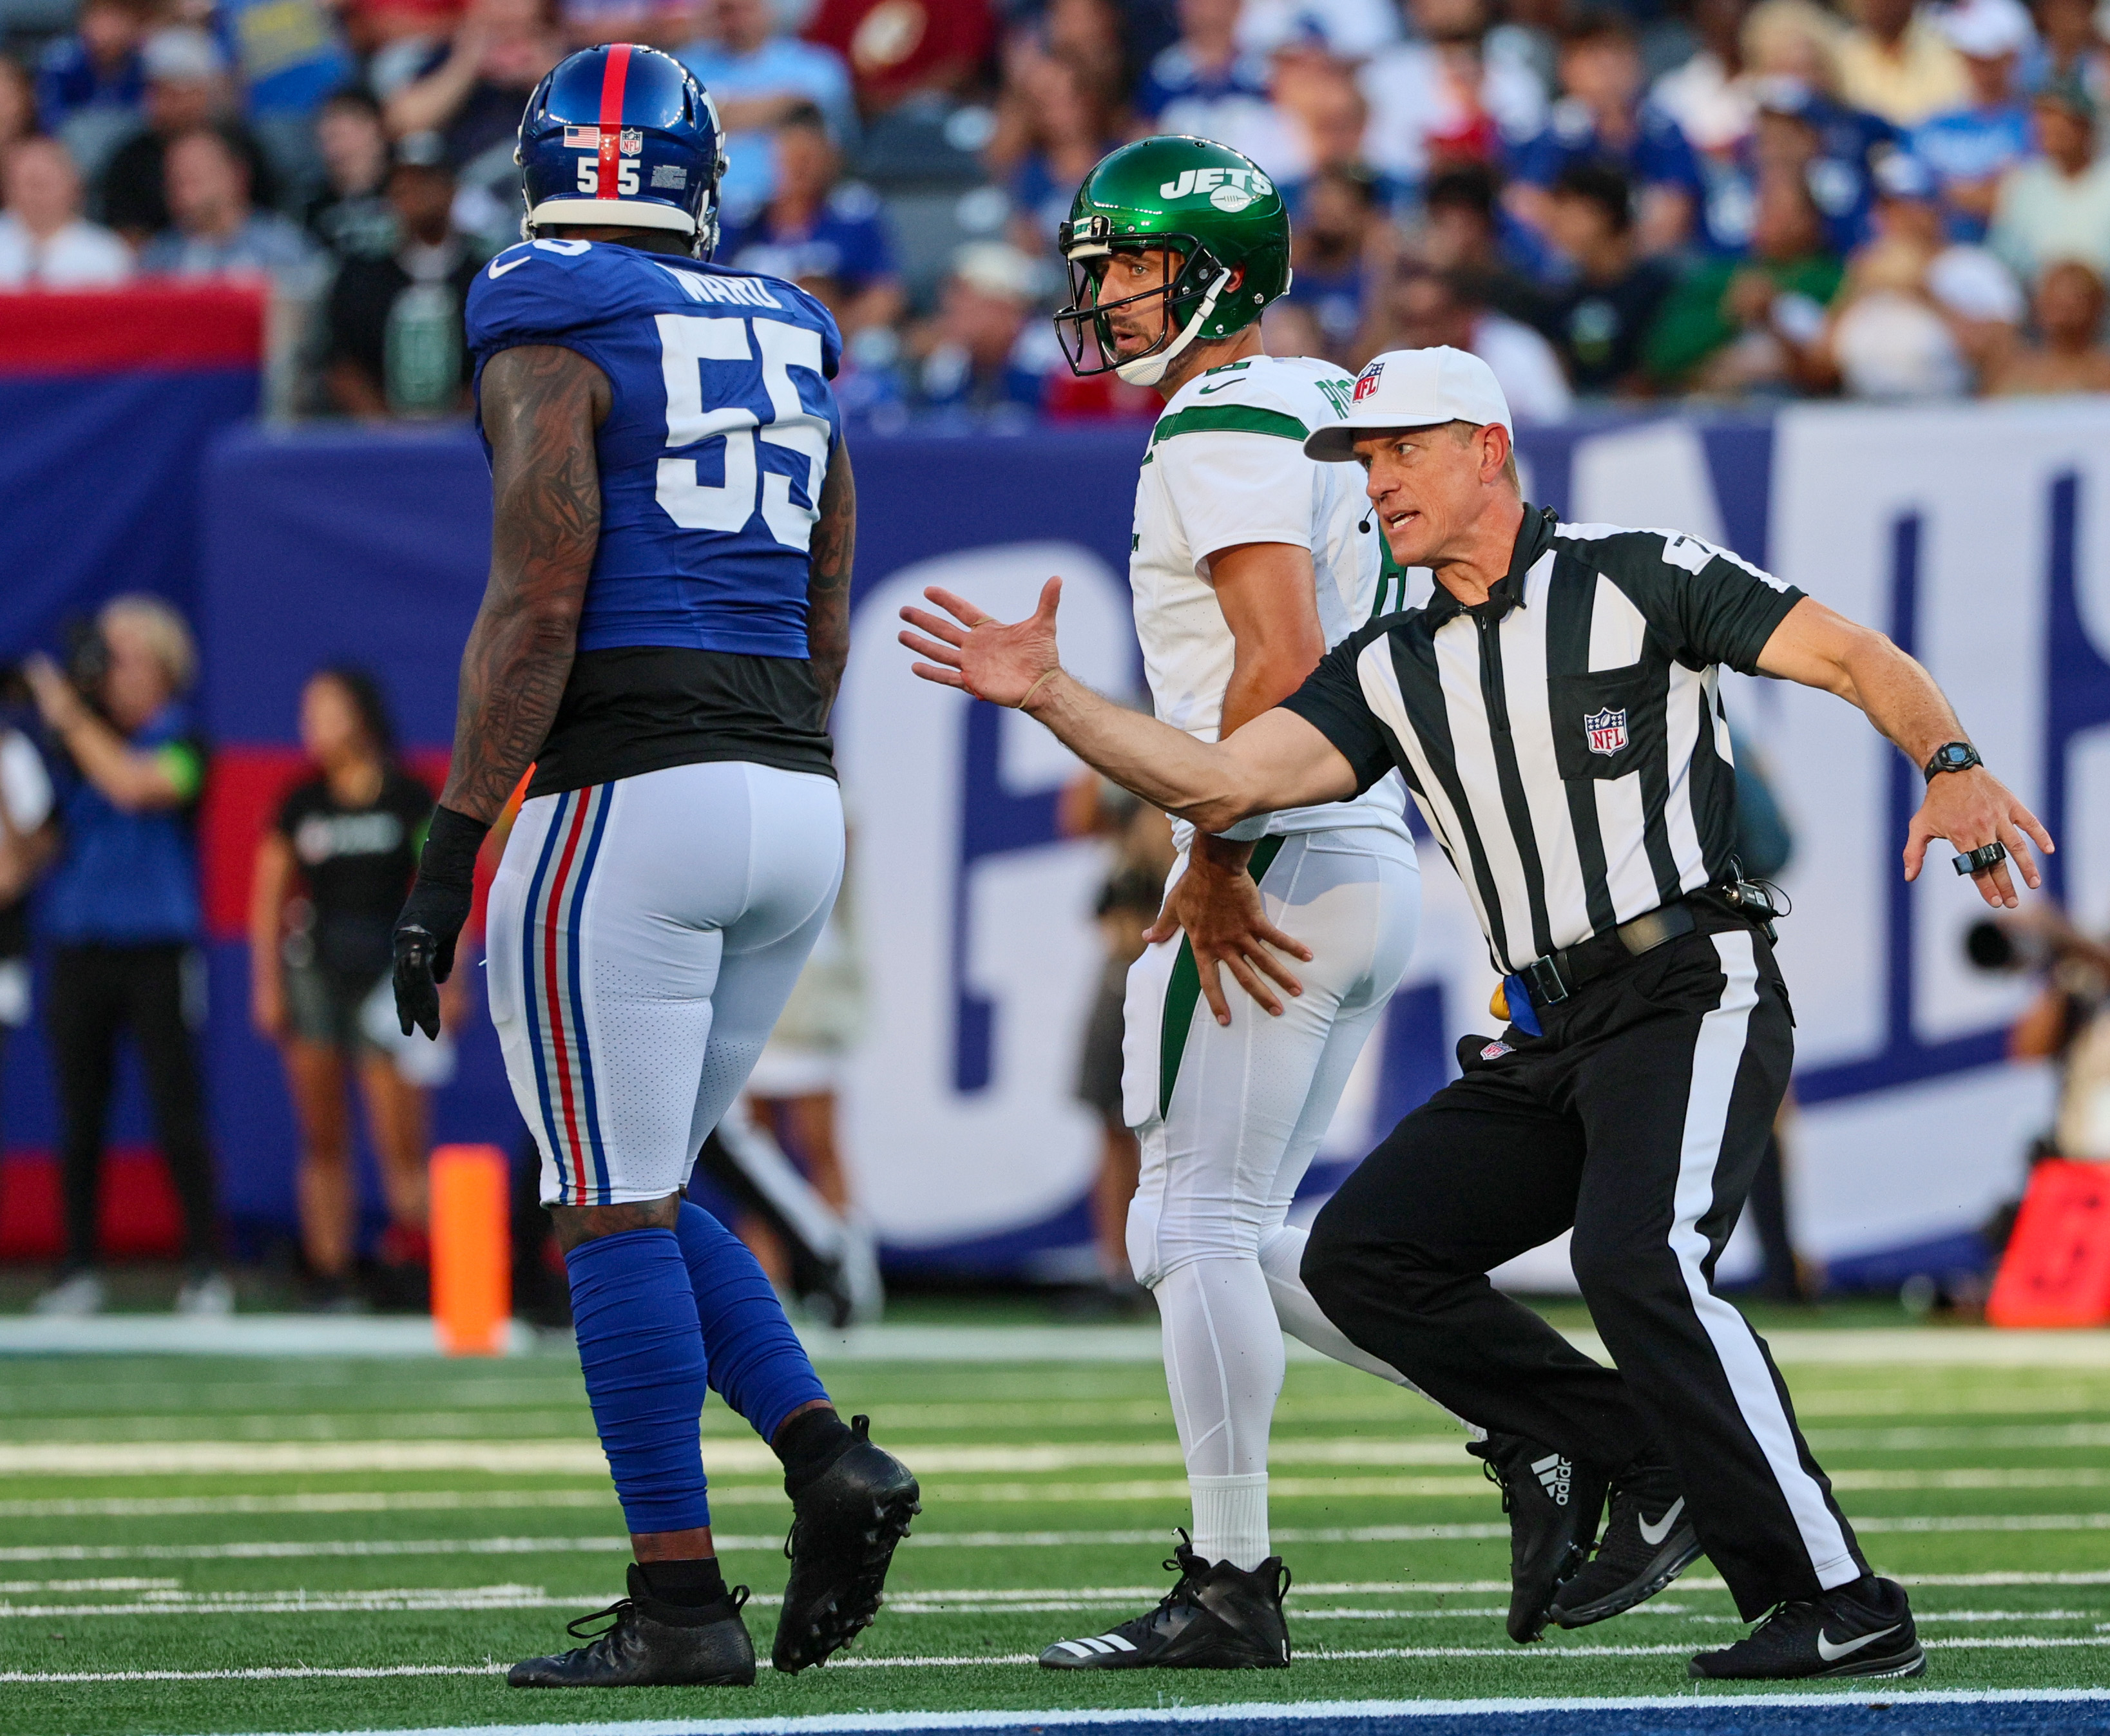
432	917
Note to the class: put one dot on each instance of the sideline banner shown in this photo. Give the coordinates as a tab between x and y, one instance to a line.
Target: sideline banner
1976	535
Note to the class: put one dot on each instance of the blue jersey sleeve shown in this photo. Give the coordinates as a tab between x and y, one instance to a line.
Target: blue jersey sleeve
533	293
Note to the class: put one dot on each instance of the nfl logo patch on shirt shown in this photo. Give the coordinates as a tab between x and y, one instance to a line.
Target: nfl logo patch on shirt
582	138
633	142
1606	731
1366	381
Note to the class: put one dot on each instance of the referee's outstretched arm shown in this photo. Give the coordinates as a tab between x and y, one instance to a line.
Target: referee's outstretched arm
1279	760
1276	761
1819	646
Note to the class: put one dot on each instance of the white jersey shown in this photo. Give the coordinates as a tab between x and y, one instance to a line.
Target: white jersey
1226	466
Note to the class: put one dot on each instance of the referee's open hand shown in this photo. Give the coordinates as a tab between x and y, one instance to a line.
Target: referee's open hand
1971	809
1005	662
1217	903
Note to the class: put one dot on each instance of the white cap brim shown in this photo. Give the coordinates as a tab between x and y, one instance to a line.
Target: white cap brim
1335	444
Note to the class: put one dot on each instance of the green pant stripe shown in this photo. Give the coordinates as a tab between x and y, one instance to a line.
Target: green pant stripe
1185	990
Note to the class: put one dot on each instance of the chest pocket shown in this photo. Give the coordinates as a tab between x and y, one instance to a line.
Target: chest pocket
1599	719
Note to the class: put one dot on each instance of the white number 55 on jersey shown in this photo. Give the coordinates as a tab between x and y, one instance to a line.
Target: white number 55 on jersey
688	340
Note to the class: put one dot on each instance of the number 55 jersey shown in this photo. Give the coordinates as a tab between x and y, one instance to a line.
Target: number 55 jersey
692	641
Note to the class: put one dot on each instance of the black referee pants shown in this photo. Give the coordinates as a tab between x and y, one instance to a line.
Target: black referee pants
1638	1118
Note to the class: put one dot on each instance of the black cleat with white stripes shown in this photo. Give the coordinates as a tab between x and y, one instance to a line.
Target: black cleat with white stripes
1217	1618
1554	1504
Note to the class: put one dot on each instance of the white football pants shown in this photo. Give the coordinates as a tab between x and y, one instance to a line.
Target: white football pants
643	936
1229	1118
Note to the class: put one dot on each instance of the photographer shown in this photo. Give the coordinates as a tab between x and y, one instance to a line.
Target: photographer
2064	1025
122	908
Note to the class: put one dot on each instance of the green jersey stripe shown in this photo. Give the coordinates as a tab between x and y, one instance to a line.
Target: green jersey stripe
1229	418
1184	991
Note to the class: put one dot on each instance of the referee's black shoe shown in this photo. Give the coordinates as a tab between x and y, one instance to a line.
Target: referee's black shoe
652	1643
845	1525
1217	1618
1554	1504
1863	1628
1648	1542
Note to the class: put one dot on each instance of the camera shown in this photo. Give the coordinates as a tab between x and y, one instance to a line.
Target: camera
1994	946
86	663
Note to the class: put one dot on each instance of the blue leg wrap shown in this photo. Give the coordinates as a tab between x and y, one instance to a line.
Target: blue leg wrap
757	1363
643	1356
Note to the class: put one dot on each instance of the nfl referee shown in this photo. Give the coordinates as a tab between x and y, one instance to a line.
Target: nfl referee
1556	709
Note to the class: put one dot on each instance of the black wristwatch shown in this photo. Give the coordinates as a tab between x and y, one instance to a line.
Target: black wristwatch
1952	756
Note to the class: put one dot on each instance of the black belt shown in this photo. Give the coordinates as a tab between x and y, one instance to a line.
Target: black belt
1552	980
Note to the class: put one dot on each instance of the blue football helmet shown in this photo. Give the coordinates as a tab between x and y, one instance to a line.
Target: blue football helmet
623	135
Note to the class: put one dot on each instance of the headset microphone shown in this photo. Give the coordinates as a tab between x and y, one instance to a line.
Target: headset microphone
1364	527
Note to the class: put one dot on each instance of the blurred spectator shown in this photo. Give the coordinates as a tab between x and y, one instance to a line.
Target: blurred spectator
1455	92
2056	205
1068	124
1714	96
1340	245
215	230
288	55
1291	328
756	73
1205	85
1094	36
1599	319
1894	62
1466	231
398	40
1972	146
820	231
1732	325
1921	315
91	85
1602	117
472	93
186	89
393	326
1331	115
348	213
27	840
897	49
18	103
122	909
1801	132
1425	308
2072	47
983	353
1708	96
44	241
2069	354
663	24
330	876
1346	29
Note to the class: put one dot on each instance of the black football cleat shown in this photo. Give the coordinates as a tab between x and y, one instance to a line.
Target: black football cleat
652	1643
1217	1618
1554	1504
1648	1542
844	1529
1864	1628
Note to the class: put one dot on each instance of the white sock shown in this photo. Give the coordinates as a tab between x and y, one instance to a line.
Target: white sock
1231	1519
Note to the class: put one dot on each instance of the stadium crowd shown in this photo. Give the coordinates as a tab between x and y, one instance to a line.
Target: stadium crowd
1725	198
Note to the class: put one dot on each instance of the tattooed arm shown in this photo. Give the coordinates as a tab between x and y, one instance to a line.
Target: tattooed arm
542	406
828	587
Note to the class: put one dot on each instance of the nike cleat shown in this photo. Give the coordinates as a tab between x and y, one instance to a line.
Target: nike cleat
652	1643
1864	1628
844	1529
1648	1542
1216	1617
1554	1505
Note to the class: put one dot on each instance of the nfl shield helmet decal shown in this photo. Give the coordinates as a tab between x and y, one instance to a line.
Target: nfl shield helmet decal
1606	731
633	142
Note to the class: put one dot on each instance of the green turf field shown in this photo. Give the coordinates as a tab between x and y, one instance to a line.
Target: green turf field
191	1544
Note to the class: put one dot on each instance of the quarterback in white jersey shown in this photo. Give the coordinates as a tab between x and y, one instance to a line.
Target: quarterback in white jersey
1248	564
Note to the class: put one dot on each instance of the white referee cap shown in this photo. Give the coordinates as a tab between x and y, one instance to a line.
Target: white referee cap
1413	389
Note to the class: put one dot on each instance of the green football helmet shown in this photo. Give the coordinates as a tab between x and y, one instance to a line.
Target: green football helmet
1210	205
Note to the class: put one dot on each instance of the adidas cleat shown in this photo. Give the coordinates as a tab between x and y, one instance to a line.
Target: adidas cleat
1217	1618
1865	1628
844	1529
1554	1504
651	1644
1648	1542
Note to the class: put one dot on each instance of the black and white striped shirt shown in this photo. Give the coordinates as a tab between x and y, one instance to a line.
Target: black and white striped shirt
1565	739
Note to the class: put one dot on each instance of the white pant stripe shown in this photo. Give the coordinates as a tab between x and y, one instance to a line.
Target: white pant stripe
1716	1057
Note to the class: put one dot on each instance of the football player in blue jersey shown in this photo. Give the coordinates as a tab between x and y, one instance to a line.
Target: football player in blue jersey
662	633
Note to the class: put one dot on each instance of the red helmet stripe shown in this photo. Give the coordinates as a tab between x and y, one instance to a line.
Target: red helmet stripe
615	72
